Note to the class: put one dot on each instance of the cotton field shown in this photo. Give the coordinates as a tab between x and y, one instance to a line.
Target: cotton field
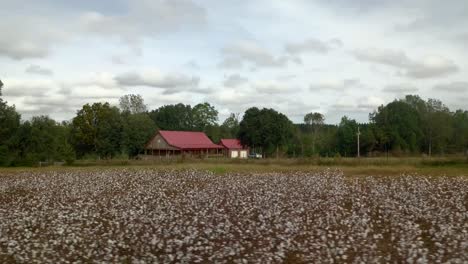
147	216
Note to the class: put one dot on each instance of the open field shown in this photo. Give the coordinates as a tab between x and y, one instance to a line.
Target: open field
183	215
448	166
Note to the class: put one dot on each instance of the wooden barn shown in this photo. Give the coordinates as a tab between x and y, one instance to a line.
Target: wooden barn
187	143
234	149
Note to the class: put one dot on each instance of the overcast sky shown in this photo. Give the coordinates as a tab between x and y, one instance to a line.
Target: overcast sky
337	57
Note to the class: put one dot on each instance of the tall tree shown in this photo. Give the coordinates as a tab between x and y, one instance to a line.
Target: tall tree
173	117
132	103
265	128
346	134
314	121
1	86
459	138
137	129
400	126
9	125
204	115
230	126
42	139
438	125
97	129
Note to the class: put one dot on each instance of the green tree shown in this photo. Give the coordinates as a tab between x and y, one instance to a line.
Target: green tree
459	137
439	126
399	125
346	136
230	126
204	115
9	125
266	129
42	139
314	121
137	129
97	129
134	104
173	117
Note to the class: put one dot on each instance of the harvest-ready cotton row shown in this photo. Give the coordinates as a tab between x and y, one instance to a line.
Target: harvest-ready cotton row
146	216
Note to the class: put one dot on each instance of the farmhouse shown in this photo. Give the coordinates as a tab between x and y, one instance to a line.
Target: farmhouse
234	149
173	143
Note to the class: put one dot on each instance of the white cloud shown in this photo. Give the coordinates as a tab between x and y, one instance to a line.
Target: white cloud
313	45
273	87
169	83
29	36
234	80
334	85
145	18
428	67
235	55
36	69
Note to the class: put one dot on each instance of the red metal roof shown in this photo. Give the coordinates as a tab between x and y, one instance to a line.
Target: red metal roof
231	143
188	140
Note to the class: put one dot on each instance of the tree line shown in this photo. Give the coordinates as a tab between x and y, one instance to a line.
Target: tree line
408	126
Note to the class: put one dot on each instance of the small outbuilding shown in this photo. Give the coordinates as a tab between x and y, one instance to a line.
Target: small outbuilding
234	149
187	143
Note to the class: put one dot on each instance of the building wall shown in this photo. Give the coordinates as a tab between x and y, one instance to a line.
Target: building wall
238	153
158	142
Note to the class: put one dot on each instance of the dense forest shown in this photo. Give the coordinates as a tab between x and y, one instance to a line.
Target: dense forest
405	127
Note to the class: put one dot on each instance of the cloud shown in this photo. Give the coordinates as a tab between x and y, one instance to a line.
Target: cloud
369	103
192	64
235	55
36	69
169	83
334	85
35	88
25	37
428	67
400	89
234	80
313	45
432	66
361	105
145	18
453	87
394	58
272	87
59	98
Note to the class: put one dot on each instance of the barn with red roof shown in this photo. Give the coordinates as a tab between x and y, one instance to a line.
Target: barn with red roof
173	143
234	149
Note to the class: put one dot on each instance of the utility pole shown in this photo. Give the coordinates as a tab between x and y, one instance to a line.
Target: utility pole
358	143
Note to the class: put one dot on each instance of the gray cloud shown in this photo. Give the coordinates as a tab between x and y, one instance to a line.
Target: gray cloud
313	45
400	89
429	67
169	83
334	85
234	80
144	18
29	36
20	88
36	69
272	87
453	87
237	54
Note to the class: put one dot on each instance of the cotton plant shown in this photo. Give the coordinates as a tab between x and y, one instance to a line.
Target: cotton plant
147	216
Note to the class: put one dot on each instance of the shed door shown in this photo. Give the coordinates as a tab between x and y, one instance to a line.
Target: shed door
243	154
234	154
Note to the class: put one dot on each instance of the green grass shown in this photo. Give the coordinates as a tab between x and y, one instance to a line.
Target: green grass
450	166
